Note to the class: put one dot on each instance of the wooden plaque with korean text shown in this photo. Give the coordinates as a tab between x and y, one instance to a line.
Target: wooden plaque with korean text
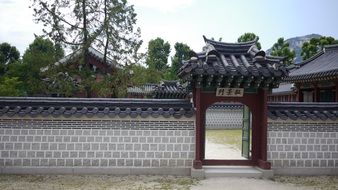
230	92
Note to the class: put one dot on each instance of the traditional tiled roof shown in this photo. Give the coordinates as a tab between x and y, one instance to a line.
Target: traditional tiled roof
284	88
322	66
303	110
101	107
93	52
145	90
226	106
164	90
170	90
232	65
88	107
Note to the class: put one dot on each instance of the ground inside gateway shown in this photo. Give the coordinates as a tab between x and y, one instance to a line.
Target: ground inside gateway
223	144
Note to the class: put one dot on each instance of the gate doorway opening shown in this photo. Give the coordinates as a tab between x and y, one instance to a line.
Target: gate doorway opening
228	132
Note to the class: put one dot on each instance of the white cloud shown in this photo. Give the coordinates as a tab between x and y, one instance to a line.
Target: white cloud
17	25
162	5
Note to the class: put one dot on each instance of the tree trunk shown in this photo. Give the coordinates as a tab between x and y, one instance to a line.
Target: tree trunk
85	46
106	31
85	33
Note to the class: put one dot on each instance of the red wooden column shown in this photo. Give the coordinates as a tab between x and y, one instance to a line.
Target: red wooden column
299	94
316	97
197	164
262	116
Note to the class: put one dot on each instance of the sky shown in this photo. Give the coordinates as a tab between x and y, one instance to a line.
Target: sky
188	20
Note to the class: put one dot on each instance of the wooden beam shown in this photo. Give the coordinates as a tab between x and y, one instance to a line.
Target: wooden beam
219	80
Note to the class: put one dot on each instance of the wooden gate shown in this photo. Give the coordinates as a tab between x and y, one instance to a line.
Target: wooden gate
246	128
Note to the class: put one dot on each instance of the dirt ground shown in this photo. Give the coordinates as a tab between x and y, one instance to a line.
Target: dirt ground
221	151
106	182
223	144
93	182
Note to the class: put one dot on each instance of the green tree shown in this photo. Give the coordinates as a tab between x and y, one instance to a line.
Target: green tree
10	86
281	48
78	24
138	75
315	45
181	53
8	54
114	85
40	54
107	25
58	80
142	75
158	53
249	37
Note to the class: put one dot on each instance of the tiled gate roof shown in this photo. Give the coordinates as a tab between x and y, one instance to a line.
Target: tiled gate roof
233	65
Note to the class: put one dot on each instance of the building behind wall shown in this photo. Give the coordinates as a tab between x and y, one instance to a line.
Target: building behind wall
313	80
164	90
96	65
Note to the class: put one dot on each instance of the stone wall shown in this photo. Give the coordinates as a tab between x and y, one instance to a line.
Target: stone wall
303	147
97	145
224	118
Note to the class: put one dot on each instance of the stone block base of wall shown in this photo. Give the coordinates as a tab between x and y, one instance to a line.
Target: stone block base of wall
305	171
297	147
96	170
124	146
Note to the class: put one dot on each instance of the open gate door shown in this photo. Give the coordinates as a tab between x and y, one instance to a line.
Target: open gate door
246	133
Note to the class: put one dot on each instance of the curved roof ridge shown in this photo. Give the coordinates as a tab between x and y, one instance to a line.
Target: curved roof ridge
331	47
275	57
252	42
94	52
318	54
312	58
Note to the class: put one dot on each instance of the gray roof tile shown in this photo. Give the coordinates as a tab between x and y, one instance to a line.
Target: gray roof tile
170	90
79	107
303	110
323	64
221	61
284	88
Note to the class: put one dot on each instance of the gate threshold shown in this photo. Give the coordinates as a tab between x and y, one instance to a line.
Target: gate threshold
231	171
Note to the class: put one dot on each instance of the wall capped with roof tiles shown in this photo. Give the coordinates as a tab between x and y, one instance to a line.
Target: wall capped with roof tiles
303	147
224	118
86	145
